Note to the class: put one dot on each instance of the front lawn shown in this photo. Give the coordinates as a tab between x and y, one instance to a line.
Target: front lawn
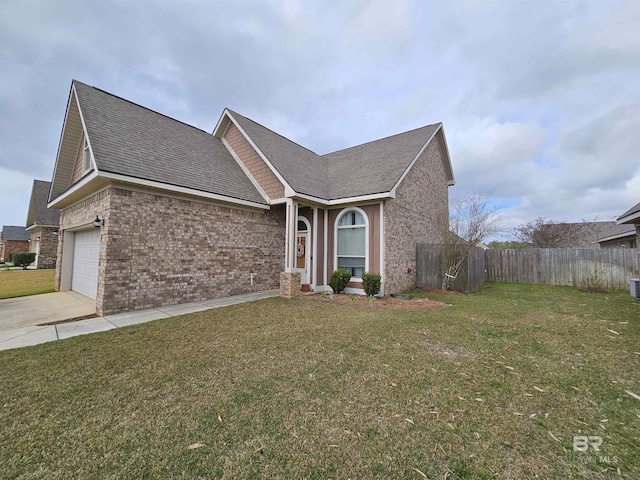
494	386
19	283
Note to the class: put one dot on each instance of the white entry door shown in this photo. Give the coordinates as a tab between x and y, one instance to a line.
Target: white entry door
303	250
86	254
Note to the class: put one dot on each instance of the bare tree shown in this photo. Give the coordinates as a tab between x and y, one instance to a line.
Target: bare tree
543	233
471	221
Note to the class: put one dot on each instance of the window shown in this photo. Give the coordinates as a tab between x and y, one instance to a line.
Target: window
351	242
86	159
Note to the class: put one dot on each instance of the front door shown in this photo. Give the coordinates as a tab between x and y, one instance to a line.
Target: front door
302	250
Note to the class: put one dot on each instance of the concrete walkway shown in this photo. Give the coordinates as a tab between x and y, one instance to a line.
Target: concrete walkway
24	335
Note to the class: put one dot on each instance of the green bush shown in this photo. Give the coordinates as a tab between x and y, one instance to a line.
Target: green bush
371	284
339	280
23	259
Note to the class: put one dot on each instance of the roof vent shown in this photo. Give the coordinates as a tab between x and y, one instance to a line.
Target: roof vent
634	284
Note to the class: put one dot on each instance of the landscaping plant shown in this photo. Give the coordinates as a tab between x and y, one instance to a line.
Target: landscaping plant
371	284
339	280
23	259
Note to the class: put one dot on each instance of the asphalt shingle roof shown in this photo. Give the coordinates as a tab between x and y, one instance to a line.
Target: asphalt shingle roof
374	167
131	140
304	170
631	211
14	232
370	168
39	214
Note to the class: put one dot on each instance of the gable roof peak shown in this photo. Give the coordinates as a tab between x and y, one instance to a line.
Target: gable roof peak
77	82
233	113
389	137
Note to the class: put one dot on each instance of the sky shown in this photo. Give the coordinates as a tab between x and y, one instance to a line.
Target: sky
540	101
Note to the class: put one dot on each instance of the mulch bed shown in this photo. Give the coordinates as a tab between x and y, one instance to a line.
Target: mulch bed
384	303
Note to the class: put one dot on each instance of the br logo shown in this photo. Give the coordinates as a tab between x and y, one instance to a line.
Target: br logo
582	443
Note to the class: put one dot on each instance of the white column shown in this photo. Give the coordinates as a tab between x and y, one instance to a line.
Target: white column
292	224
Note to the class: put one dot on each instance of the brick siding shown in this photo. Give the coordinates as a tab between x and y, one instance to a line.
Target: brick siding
413	217
159	250
48	246
13	246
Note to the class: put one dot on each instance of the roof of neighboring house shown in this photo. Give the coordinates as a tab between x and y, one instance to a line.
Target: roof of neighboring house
132	140
14	232
606	230
38	213
630	215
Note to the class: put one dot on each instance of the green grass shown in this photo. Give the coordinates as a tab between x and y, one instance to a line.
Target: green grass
494	386
19	283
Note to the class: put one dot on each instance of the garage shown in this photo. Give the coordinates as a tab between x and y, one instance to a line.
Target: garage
86	253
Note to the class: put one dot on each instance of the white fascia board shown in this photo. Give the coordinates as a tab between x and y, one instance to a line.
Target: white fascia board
246	171
344	201
64	127
631	233
215	130
629	219
406	171
53	203
183	190
40	226
452	181
86	132
262	155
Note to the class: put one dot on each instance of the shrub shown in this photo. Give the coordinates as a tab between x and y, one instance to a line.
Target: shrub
23	259
371	284
339	280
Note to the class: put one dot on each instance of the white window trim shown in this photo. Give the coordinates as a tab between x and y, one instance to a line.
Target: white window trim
366	240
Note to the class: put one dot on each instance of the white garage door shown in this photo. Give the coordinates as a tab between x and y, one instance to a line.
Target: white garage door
86	252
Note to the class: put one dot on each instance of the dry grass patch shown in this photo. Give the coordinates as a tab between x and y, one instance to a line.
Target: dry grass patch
495	386
19	283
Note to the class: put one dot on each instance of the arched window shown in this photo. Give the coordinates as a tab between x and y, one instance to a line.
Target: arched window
352	242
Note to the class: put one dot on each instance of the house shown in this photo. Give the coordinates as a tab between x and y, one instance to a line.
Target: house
623	236
13	239
632	217
583	235
156	212
42	225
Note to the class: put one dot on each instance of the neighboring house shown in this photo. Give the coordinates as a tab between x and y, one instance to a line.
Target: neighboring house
13	239
583	235
632	217
184	215
42	225
622	237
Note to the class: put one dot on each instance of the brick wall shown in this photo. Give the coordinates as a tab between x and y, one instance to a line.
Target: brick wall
80	216
254	163
412	217
13	246
163	251
160	250
48	246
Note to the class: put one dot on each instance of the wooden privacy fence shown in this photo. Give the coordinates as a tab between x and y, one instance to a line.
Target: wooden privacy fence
430	269
606	268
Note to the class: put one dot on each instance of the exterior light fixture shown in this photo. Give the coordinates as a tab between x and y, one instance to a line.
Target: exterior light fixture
56	232
98	223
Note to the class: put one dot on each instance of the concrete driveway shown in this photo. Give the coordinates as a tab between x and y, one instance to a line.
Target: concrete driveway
20	317
49	307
